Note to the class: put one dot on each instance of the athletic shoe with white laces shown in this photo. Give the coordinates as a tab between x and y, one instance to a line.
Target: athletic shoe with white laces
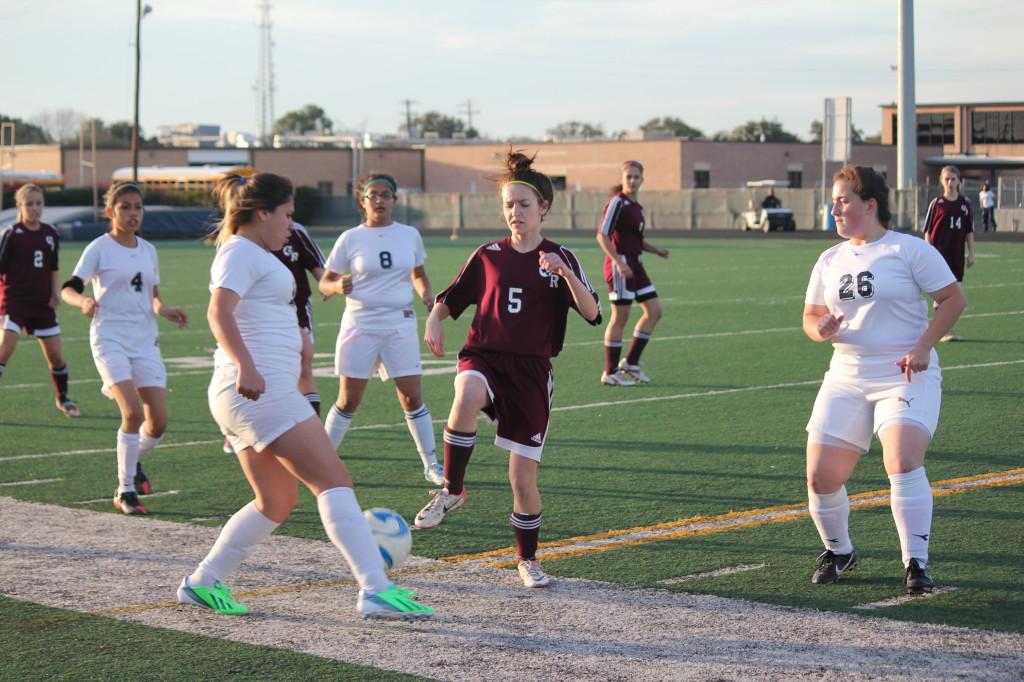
217	598
635	372
950	337
532	574
918	577
434	473
617	378
129	504
443	503
393	603
832	566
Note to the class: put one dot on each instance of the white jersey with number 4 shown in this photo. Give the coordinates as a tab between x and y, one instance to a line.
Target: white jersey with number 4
122	281
381	261
878	289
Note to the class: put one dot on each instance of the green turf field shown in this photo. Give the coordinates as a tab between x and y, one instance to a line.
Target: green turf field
719	430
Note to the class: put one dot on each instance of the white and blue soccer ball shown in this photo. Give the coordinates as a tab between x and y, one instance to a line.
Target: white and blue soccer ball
392	535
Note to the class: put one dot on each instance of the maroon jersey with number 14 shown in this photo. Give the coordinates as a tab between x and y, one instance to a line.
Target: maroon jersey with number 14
947	224
520	308
27	261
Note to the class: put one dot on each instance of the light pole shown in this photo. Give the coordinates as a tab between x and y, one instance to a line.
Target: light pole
140	12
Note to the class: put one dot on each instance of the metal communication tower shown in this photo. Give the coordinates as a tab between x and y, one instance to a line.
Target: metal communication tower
265	78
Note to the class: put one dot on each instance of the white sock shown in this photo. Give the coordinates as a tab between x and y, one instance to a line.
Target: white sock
238	538
911	502
831	515
337	424
127	460
347	528
421	426
147	443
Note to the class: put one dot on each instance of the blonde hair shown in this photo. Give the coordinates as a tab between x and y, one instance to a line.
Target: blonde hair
240	196
21	195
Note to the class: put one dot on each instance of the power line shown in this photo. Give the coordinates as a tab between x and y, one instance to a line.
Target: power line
468	111
409	113
265	78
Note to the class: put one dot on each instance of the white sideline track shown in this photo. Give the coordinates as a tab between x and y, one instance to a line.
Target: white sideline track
489	626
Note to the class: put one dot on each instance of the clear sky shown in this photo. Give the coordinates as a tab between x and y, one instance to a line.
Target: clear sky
526	65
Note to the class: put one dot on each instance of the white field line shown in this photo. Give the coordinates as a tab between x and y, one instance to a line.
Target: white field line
165	493
34	481
905	598
742	568
563	408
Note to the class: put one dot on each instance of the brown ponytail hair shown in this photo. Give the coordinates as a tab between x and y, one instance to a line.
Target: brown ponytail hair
240	196
867	184
520	170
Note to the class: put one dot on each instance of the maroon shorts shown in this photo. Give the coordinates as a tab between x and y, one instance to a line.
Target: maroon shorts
520	388
37	320
622	290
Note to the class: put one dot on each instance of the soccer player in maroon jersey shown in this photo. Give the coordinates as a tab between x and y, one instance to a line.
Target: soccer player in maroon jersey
30	290
523	287
621	237
949	227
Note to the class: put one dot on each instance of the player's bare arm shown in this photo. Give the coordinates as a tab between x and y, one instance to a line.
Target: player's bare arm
950	303
433	331
651	248
421	283
333	283
73	293
175	315
819	324
584	299
609	250
250	383
55	289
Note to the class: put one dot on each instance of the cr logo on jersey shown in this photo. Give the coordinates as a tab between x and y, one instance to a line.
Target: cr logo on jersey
290	253
552	277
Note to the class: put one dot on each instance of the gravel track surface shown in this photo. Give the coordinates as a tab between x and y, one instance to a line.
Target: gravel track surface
488	625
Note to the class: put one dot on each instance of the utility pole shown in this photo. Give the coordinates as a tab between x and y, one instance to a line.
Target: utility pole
468	111
906	106
408	115
265	79
135	107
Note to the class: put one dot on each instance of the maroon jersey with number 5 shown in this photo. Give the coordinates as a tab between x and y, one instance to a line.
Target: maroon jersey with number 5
947	225
520	308
27	261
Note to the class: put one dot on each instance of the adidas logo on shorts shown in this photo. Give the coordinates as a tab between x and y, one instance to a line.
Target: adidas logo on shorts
537	438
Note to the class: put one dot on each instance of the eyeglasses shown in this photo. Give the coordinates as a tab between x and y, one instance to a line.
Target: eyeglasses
373	196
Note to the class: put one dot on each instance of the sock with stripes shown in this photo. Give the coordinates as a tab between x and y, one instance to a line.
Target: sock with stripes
314	400
831	515
59	378
246	529
640	340
911	502
612	353
458	448
527	529
337	424
127	460
421	427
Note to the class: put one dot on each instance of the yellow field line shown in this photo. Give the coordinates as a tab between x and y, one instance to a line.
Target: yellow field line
707	525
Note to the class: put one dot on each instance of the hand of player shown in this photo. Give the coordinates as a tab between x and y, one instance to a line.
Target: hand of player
914	361
552	262
970	260
428	302
624	269
663	253
829	325
178	316
54	301
89	306
433	336
250	383
346	284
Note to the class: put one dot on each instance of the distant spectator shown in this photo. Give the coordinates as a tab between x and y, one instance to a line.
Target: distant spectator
987	199
771	201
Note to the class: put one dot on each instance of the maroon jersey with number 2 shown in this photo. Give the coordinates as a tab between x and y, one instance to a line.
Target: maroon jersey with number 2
520	308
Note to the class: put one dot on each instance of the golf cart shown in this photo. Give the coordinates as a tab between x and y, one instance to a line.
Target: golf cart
767	218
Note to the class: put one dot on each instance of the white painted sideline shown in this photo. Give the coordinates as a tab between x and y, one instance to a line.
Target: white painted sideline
694	577
165	493
905	598
34	481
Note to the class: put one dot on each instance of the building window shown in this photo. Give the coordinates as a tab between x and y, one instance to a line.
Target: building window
935	129
701	179
325	188
557	182
796	178
997	127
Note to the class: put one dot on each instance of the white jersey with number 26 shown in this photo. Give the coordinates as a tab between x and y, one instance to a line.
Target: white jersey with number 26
878	288
381	261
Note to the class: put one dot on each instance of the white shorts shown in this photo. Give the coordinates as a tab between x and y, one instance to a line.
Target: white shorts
256	423
853	408
119	360
358	352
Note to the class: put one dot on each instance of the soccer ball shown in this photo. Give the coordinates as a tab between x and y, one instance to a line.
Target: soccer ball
392	535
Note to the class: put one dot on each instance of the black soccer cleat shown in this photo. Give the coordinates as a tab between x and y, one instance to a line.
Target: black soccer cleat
919	578
832	566
141	482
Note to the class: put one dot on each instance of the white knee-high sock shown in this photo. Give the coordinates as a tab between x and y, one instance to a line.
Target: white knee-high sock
421	426
831	515
347	528
911	502
337	425
127	460
238	538
147	443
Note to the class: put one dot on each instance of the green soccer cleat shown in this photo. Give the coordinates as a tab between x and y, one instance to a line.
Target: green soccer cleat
393	603
217	598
